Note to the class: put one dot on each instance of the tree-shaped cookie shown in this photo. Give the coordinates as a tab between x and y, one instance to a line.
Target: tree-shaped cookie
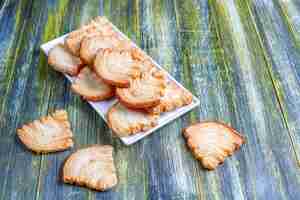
98	26
63	61
92	167
91	87
144	92
47	134
125	122
174	97
117	67
212	142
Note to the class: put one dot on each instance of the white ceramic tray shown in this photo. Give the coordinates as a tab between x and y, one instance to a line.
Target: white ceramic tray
102	106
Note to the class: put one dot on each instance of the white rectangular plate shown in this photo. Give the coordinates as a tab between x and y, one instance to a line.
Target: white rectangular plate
102	106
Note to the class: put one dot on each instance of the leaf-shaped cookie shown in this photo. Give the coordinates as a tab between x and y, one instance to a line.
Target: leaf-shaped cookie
91	87
118	67
174	97
125	122
63	61
92	167
98	26
143	92
48	134
212	142
90	46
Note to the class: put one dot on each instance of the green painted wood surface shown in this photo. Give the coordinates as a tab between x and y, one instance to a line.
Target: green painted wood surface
241	58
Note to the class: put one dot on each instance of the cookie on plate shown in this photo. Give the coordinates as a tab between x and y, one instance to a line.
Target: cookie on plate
98	26
48	134
92	167
90	46
212	142
63	61
174	97
118	67
125	122
88	85
143	92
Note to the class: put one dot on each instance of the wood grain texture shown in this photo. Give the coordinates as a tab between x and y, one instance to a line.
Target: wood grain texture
16	59
251	93
239	57
283	57
290	13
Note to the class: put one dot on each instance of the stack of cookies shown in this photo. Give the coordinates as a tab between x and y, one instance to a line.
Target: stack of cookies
104	65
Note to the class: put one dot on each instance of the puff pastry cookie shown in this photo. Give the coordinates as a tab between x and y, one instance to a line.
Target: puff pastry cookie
174	97
91	87
63	61
48	134
143	92
118	67
125	122
98	26
90	46
212	142
92	167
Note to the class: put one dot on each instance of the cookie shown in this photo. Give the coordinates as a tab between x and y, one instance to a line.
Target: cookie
143	92
98	26
118	67
88	85
174	97
212	142
90	46
125	122
63	61
48	134
92	167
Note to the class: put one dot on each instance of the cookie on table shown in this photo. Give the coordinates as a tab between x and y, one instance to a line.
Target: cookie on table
48	134
92	167
63	61
125	122
212	142
118	67
88	85
98	26
174	97
144	92
91	45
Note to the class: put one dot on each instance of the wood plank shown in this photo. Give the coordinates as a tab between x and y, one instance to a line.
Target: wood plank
164	152
290	13
8	19
18	168
192	27
283	58
131	169
10	39
62	17
2	4
230	77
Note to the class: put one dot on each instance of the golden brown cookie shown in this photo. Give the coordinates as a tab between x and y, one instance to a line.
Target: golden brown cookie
63	61
118	67
174	97
98	26
212	142
92	167
143	92
48	134
90	46
125	122
91	87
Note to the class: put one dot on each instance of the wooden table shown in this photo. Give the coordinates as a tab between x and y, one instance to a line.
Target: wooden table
241	58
